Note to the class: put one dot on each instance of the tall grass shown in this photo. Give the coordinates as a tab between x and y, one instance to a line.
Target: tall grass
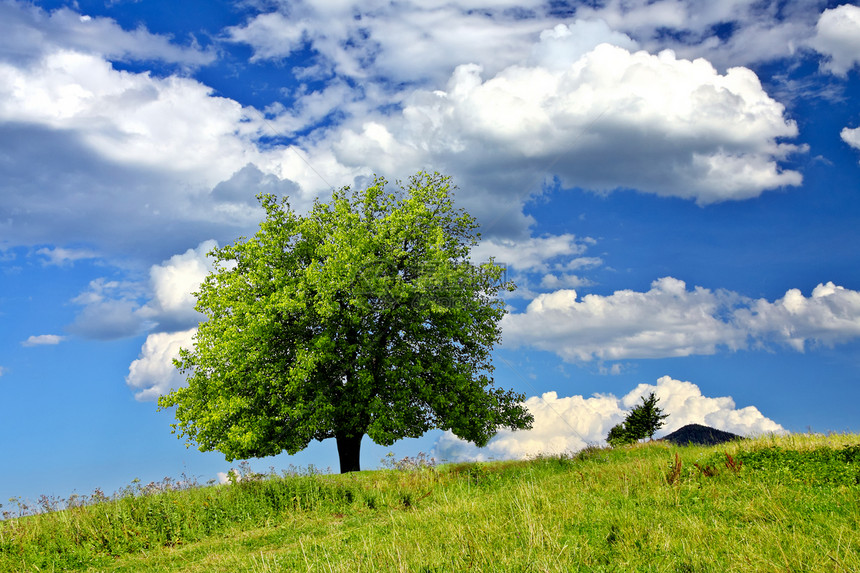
651	507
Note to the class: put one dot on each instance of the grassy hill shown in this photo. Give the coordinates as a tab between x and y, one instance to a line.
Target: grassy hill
772	504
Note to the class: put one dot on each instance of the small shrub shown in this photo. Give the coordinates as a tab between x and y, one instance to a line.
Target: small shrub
674	474
734	466
707	471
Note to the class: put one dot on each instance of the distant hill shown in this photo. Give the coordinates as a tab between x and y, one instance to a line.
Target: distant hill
700	435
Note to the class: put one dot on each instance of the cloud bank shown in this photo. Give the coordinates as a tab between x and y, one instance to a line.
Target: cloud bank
569	424
508	96
666	321
609	119
670	321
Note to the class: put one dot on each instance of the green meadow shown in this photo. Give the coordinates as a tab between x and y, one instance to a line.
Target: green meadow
776	503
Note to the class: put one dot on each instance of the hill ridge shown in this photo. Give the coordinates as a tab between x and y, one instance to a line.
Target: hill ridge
700	435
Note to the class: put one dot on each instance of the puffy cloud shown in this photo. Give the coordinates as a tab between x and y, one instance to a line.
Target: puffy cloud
108	155
564	280
568	424
670	320
173	283
153	373
43	340
170	311
361	39
838	38
533	254
560	425
272	35
169	123
829	316
102	157
667	320
685	404
640	15
609	119
851	137
108	319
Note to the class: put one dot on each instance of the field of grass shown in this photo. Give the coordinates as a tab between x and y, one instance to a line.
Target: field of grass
787	503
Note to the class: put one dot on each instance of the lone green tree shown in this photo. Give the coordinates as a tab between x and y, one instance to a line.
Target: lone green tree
364	317
642	422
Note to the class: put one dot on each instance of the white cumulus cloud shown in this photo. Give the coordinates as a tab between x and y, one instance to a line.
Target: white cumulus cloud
667	320
153	373
838	38
670	320
365	39
168	123
609	119
532	254
173	283
568	424
566	43
101	156
851	137
527	95
829	316
749	31
685	404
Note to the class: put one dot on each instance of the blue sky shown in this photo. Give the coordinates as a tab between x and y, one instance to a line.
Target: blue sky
672	184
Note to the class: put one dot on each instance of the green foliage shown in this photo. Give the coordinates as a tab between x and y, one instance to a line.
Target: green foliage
642	422
646	418
364	317
816	467
619	436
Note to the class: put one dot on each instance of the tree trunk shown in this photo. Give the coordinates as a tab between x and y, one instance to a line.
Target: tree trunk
348	449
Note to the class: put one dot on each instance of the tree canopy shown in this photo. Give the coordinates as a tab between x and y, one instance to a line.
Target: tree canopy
364	317
645	418
642	422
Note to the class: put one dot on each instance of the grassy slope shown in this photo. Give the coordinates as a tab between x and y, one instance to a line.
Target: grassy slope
605	510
